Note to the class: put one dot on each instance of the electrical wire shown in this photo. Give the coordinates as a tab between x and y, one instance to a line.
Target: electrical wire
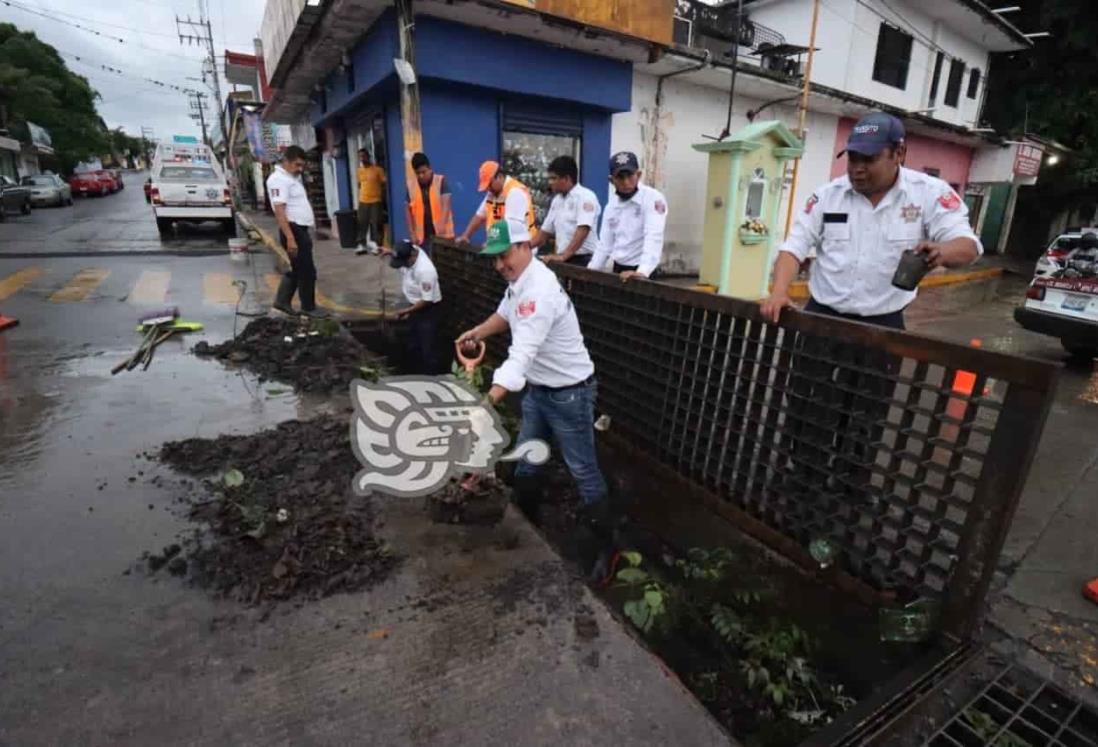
119	71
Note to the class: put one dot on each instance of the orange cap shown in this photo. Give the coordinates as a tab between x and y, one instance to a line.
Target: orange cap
488	171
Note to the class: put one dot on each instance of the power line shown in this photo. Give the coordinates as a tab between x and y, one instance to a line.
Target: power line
66	22
119	71
104	23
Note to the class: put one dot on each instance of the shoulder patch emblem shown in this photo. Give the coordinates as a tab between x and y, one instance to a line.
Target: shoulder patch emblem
526	308
274	191
426	286
661	207
949	201
811	203
588	207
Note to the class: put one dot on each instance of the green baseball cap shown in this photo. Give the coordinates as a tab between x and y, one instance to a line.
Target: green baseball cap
499	238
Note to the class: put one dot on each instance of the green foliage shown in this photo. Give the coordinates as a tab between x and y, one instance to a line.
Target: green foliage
1052	88
703	564
651	606
987	728
36	86
475	377
727	623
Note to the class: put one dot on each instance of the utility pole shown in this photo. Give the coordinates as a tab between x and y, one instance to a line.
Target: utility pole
409	90
203	35
147	137
198	112
801	132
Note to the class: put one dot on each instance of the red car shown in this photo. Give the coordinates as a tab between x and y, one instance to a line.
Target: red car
92	183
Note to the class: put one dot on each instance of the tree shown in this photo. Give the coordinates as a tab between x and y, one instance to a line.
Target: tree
1052	89
36	86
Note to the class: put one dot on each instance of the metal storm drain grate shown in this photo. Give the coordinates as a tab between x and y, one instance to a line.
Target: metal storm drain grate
1020	709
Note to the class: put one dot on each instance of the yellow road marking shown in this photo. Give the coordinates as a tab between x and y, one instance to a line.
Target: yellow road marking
150	288
217	287
17	281
81	285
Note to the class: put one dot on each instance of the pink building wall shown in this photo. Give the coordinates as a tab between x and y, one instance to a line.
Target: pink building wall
952	161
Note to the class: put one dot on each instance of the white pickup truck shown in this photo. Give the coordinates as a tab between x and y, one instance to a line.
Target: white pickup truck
187	185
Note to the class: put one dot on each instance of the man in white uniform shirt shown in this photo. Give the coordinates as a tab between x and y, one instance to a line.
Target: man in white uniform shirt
632	225
419	282
573	216
549	360
295	220
861	223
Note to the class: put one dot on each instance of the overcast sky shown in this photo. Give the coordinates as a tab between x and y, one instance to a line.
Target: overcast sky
151	50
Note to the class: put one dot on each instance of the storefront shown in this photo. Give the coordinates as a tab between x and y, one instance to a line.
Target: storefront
483	95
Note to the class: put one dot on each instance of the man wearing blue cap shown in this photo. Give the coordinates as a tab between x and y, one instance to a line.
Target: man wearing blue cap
861	223
632	225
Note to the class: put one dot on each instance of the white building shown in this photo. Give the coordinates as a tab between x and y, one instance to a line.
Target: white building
924	60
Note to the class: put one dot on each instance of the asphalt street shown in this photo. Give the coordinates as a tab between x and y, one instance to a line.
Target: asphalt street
89	655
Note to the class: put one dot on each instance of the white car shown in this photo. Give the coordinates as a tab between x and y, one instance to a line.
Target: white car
192	192
48	189
1062	299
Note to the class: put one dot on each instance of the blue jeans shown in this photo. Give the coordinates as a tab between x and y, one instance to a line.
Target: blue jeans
565	418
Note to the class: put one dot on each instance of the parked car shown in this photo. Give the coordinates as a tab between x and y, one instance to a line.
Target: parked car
13	196
48	189
116	175
108	178
192	192
89	183
1062	299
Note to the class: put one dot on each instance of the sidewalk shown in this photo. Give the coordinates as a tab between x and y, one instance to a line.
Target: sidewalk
348	285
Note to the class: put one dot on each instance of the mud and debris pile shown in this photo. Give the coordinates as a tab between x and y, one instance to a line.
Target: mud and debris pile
312	356
283	519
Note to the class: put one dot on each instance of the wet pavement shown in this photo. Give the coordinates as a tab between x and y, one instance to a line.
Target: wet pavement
117	224
480	636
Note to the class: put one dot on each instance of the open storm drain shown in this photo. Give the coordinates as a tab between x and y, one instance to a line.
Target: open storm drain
1020	709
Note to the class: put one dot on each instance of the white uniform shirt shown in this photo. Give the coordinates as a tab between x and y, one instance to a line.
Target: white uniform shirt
858	246
286	189
632	231
546	344
420	281
568	212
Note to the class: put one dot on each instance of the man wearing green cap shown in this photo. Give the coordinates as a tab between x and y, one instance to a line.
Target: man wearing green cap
549	360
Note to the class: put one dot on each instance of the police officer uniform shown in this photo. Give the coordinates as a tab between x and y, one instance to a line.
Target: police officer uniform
858	246
286	189
419	282
567	212
632	226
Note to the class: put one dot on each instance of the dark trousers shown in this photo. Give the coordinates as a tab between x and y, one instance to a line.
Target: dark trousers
422	341
838	402
579	260
618	269
301	276
369	220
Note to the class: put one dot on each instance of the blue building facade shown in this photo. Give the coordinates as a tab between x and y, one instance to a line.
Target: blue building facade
483	95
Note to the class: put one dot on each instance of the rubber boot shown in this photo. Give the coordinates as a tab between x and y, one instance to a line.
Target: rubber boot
598	540
284	296
528	493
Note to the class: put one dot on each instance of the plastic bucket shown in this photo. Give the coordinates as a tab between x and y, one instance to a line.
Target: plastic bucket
238	250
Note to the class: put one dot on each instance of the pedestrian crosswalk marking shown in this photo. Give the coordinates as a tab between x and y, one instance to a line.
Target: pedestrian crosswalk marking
217	287
15	282
81	285
151	287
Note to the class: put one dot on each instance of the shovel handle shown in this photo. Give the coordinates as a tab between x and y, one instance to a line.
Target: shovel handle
470	364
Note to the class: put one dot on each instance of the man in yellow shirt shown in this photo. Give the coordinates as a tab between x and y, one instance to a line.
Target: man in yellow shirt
371	196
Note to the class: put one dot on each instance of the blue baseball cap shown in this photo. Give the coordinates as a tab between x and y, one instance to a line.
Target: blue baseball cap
873	133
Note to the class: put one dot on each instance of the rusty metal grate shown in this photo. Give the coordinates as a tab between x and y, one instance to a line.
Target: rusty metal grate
1018	708
817	428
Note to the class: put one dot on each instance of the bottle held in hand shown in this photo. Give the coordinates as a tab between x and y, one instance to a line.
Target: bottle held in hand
912	269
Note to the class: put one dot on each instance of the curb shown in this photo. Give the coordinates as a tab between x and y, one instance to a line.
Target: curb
264	237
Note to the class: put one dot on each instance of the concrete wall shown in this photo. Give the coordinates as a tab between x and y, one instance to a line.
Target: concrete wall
279	19
663	143
847	46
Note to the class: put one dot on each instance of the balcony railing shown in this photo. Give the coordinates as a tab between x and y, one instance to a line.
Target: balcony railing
717	27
